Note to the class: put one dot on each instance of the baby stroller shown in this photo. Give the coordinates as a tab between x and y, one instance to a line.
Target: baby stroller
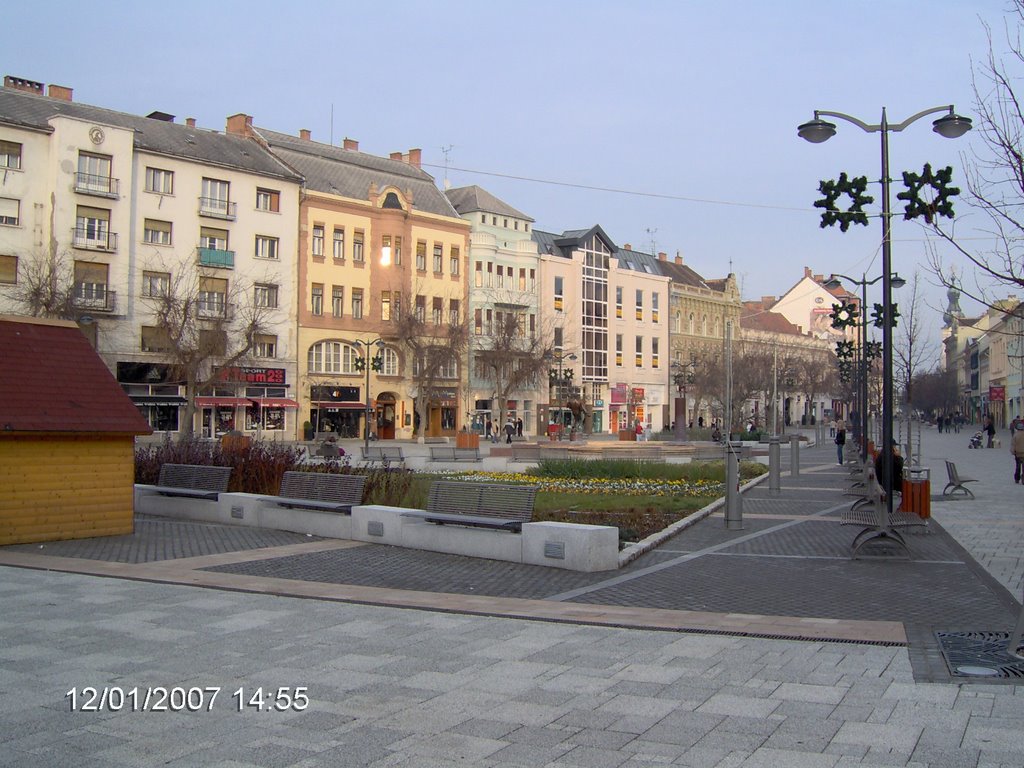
976	439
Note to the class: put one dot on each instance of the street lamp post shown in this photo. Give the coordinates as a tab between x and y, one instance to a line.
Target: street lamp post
560	357
951	126
862	359
683	376
369	363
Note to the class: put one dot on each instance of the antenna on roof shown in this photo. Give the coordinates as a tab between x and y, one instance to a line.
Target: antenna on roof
445	151
654	246
332	124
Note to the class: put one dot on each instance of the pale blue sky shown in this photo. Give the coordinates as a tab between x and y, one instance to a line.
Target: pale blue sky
684	99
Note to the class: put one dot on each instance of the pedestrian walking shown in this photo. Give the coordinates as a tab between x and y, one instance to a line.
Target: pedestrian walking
490	430
519	427
990	431
840	439
1017	448
510	429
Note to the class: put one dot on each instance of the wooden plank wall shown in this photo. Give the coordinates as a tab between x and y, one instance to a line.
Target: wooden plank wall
65	487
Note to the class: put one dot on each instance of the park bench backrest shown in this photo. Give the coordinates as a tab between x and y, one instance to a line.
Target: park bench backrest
196	476
497	500
951	471
323	486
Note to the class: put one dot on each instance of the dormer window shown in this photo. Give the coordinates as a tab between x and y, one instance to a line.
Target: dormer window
391	201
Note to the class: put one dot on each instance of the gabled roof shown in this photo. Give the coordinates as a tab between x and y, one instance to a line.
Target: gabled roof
349	173
476	199
684	275
564	244
32	111
52	380
754	317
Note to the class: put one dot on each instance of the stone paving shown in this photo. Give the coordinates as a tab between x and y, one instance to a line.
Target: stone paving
404	687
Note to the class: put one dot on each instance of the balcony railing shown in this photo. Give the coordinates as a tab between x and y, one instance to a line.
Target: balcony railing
214	257
214	310
94	240
91	184
94	296
216	208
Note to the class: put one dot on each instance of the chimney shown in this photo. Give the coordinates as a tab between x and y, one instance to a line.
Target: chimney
767	301
240	125
627	247
679	259
190	122
351	144
396	156
415	156
61	92
807	272
662	256
21	84
819	278
305	134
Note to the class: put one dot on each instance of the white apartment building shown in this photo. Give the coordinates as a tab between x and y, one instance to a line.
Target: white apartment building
133	207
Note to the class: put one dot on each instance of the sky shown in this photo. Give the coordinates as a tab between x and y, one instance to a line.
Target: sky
671	124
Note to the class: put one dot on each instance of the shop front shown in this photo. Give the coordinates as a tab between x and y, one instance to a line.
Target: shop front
249	399
442	413
337	410
155	392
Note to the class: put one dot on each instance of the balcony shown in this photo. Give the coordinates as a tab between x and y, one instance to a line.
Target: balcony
100	186
215	208
92	239
213	310
214	257
94	296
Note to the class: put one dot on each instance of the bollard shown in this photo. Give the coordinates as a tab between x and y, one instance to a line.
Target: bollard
774	464
733	500
794	456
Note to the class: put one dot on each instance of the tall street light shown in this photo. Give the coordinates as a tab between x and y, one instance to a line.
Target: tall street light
375	363
683	375
950	126
560	357
862	340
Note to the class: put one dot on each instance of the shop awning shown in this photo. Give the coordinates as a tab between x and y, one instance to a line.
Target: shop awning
274	402
340	406
158	400
210	402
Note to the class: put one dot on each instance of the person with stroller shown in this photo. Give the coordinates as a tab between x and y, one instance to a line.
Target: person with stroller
990	431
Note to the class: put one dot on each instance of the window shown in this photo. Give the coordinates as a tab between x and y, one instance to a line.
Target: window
357	245
522	278
90	284
213	295
389	360
318	240
316	299
677	322
654	308
155	284
559	298
654	353
618	350
490	274
533	326
10	154
454	261
453	312
639	351
265	295
215	200
92	228
478	321
533	280
155	339
639	305
478	281
357	303
265	345
268	200
385	305
8	269
690	325
618	301
558	339
215	239
160	181
10	211
421	309
437	310
156	232
339	244
332	357
385	249
337	300
489	322
94	174
421	255
396	256
266	247
438	257
501	276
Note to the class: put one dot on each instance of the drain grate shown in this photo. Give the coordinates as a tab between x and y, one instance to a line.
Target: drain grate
979	655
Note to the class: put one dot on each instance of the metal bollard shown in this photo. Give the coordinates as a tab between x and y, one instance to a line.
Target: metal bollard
733	500
774	464
794	456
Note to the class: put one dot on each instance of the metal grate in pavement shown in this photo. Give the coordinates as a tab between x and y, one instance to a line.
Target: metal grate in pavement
979	655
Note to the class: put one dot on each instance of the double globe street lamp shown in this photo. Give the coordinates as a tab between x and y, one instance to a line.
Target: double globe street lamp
368	363
560	358
816	131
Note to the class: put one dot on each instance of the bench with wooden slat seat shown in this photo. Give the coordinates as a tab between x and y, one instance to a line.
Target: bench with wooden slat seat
957	482
452	453
383	454
196	481
528	452
325	491
500	506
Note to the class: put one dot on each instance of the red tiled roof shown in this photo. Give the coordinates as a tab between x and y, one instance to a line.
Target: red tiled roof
755	318
52	380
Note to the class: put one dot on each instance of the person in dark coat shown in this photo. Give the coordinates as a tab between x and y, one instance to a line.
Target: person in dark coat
519	427
510	429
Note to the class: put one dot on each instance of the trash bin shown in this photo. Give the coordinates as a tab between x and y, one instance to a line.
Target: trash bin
917	492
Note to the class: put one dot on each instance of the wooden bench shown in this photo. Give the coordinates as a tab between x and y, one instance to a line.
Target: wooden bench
451	453
319	490
957	482
529	452
196	481
383	454
499	506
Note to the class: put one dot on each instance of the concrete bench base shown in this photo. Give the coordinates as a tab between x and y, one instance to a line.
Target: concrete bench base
586	548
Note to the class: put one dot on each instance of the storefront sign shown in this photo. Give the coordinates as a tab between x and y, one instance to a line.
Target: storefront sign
252	375
997	394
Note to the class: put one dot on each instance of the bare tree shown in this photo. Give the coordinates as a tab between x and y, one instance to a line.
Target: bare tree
911	347
46	286
511	359
202	330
